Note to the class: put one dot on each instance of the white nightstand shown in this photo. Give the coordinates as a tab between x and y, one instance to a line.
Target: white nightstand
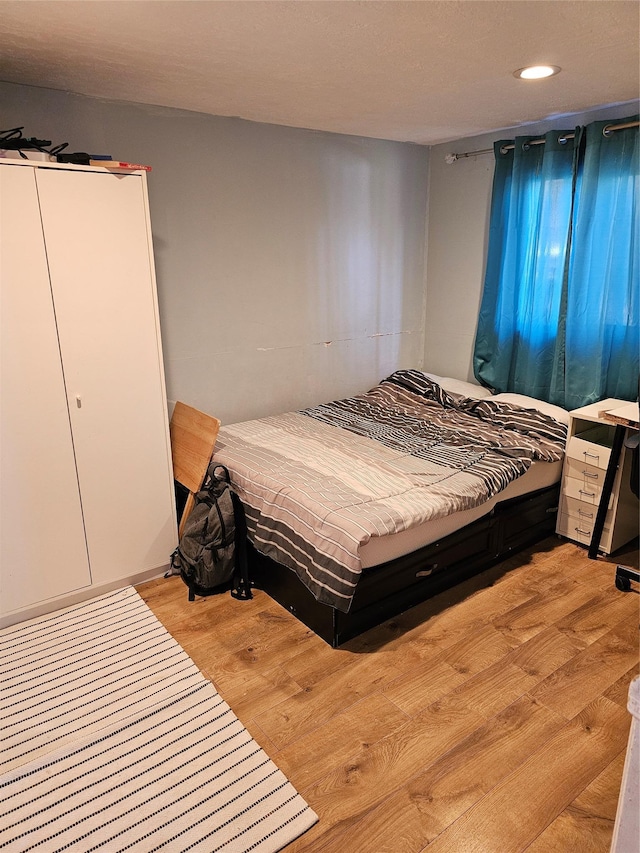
589	442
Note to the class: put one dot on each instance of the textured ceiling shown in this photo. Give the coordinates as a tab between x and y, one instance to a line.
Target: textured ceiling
424	71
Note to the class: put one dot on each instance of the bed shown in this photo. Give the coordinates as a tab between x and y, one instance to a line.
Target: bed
360	508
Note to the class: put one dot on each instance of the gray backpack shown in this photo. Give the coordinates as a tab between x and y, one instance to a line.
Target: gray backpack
211	556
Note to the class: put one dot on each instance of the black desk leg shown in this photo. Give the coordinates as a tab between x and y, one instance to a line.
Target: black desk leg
607	487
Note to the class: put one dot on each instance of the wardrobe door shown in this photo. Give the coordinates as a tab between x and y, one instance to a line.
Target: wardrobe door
101	268
42	544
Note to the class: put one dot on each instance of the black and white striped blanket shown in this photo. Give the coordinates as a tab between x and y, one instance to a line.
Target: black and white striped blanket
319	484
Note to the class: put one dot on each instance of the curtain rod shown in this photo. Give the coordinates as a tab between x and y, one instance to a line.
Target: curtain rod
607	130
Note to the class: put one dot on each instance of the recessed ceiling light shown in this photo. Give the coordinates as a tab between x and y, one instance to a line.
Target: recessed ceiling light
537	72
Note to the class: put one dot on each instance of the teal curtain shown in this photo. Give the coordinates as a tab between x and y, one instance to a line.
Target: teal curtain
559	312
603	316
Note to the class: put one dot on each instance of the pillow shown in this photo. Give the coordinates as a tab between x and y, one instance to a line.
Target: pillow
556	412
458	386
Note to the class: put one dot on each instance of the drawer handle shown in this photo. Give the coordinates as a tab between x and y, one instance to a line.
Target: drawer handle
584	514
590	475
424	573
588	494
583	532
592	455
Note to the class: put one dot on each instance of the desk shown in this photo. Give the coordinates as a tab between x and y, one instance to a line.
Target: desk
625	419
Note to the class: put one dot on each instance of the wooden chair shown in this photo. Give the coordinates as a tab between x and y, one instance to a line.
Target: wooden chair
193	437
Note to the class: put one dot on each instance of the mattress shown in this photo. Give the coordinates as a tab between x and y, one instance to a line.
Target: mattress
381	549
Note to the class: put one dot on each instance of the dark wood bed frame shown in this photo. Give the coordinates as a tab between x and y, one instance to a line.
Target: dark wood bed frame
385	591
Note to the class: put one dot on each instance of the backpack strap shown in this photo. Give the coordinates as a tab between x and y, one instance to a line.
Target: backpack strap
212	473
192	595
241	588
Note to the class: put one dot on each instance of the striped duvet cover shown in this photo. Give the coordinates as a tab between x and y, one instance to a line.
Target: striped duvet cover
320	483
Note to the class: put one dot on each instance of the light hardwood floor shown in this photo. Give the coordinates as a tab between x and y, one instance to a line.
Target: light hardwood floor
491	719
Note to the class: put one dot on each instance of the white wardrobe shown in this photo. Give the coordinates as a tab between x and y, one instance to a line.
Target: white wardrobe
85	459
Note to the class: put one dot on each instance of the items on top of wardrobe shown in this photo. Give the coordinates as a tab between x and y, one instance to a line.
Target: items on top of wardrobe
13	145
28	147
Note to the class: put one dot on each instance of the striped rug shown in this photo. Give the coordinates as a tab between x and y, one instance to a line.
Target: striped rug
113	740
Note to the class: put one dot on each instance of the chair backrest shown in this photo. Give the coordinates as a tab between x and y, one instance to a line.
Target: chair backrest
193	437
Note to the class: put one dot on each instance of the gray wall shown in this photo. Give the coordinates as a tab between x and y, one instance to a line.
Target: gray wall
459	202
290	263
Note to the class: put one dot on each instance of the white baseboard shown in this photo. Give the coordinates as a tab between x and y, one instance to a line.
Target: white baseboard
78	595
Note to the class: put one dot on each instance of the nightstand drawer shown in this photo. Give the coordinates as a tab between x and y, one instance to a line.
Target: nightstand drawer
583	452
585	490
578	530
590	475
582	512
